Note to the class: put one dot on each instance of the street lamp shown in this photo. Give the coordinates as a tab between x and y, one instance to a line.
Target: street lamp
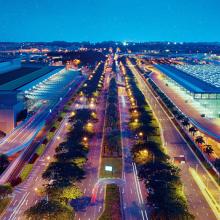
140	134
136	120
85	139
89	124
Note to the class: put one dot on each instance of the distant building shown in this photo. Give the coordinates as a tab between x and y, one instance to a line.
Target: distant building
7	65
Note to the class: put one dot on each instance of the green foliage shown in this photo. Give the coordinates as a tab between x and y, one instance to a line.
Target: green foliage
63	173
5	191
4	203
112	209
26	171
67	168
63	195
162	179
40	149
112	138
50	210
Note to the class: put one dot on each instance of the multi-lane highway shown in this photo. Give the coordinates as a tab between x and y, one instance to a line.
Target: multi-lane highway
176	146
27	193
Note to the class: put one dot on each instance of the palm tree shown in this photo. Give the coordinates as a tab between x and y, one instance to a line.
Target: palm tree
193	130
208	149
180	117
199	140
185	122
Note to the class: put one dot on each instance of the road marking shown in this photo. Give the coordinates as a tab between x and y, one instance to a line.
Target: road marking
16	210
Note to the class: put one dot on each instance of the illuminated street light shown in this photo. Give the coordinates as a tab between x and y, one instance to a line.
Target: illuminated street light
93	114
92	105
48	157
85	139
89	124
140	134
73	113
136	120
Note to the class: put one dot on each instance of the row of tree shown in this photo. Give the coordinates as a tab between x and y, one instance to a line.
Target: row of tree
161	177
95	81
112	136
67	167
184	120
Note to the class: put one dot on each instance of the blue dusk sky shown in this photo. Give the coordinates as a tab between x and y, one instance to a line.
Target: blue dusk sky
102	20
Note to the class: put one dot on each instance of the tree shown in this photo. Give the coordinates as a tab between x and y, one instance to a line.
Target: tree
63	173
199	140
5	191
217	164
193	130
49	210
63	195
208	149
185	122
4	162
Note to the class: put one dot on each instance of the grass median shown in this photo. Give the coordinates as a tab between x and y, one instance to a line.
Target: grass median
112	208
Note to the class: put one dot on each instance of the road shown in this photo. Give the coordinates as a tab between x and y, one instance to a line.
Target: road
26	194
133	191
90	206
175	146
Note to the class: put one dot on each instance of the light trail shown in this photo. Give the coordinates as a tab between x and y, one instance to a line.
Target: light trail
209	198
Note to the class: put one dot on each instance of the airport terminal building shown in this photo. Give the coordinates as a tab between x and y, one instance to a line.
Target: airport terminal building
198	86
15	79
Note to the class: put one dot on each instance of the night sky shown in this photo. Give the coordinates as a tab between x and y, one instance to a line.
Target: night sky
100	20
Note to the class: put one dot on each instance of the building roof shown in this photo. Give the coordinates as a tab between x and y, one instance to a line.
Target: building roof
187	81
17	78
